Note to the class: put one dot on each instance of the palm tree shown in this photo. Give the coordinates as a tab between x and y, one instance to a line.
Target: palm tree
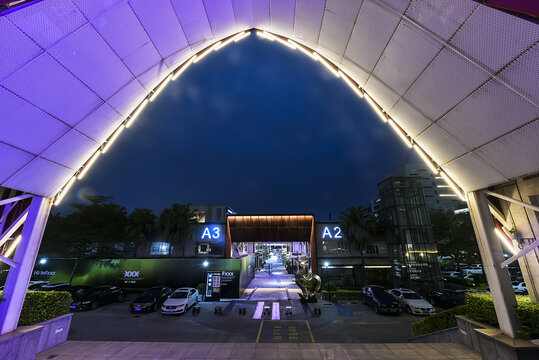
176	224
357	225
141	225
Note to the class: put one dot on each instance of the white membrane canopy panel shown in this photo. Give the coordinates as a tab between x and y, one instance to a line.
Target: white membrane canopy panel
461	79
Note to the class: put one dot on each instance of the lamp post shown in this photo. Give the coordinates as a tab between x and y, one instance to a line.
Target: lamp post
205	263
326	265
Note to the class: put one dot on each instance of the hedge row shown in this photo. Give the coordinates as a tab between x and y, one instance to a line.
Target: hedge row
479	307
44	305
342	293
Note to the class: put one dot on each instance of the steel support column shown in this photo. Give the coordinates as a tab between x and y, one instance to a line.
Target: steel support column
24	258
492	256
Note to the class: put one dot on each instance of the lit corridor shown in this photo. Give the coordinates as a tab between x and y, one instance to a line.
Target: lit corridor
279	285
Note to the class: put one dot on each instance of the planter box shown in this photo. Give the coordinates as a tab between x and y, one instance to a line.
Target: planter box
450	335
467	333
26	341
54	332
20	344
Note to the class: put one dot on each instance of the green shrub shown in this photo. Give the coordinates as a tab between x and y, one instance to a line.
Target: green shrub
201	289
479	307
528	314
330	286
349	294
437	322
466	282
44	305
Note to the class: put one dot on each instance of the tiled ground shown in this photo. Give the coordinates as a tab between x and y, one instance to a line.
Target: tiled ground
94	350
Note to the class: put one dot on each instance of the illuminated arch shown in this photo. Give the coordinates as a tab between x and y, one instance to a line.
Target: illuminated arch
470	111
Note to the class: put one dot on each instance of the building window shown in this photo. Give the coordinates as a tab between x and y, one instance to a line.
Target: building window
372	249
160	248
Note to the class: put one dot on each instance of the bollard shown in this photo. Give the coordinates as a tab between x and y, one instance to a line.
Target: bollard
242	310
288	310
218	310
196	309
317	311
266	310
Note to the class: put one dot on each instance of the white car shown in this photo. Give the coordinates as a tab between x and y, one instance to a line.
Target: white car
520	288
180	301
413	303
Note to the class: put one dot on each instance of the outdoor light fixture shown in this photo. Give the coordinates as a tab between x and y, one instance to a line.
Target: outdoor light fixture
184	67
327	64
43	261
453	185
89	164
136	113
265	34
425	158
160	87
13	246
247	33
234	38
64	190
400	132
505	240
351	84
303	49
207	51
113	138
326	264
375	106
205	263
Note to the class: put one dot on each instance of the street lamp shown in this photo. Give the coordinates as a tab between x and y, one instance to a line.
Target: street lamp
326	265
205	263
43	261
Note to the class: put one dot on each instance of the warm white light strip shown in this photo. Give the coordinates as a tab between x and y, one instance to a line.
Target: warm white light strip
375	107
505	241
304	50
13	246
89	164
184	67
264	35
351	84
377	266
233	38
113	138
273	37
425	158
206	52
453	185
64	191
400	132
442	186
160	87
136	113
243	36
327	64
448	195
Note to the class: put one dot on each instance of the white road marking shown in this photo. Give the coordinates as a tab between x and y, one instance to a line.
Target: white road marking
258	310
275	313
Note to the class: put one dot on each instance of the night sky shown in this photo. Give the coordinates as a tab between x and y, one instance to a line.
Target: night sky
255	126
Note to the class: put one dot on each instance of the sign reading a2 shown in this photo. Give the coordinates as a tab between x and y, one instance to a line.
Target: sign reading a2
211	232
335	234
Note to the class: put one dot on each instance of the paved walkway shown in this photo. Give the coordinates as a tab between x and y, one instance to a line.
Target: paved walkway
279	285
93	350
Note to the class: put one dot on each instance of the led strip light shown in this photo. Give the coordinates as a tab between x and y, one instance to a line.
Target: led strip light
335	70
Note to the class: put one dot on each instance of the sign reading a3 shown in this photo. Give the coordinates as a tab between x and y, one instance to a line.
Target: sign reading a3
211	232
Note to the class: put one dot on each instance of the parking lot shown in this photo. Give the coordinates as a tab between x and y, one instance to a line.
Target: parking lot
344	322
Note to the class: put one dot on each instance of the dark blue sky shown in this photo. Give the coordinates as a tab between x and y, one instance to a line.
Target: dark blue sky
255	126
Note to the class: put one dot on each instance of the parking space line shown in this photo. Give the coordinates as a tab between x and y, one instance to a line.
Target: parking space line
259	331
258	310
371	323
275	313
310	331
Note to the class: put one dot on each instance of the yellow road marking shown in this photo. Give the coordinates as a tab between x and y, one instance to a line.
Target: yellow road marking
259	331
310	332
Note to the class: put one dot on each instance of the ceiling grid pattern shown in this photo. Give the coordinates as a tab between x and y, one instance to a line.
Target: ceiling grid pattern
459	77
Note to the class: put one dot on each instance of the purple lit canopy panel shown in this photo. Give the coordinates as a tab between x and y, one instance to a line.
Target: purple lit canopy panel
460	78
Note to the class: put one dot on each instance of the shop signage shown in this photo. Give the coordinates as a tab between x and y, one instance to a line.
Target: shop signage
211	232
334	233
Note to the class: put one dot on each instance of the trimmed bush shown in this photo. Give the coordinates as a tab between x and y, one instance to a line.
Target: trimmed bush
437	322
350	294
44	305
528	314
480	308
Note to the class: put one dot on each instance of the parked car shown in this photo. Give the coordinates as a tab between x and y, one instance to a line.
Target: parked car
151	299
89	298
56	287
446	298
520	288
412	302
180	301
381	301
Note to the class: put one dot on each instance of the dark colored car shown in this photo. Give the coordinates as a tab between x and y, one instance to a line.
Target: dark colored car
151	300
446	298
89	298
56	287
381	301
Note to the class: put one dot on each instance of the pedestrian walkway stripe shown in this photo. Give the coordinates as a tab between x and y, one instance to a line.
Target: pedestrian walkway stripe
258	310
275	313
